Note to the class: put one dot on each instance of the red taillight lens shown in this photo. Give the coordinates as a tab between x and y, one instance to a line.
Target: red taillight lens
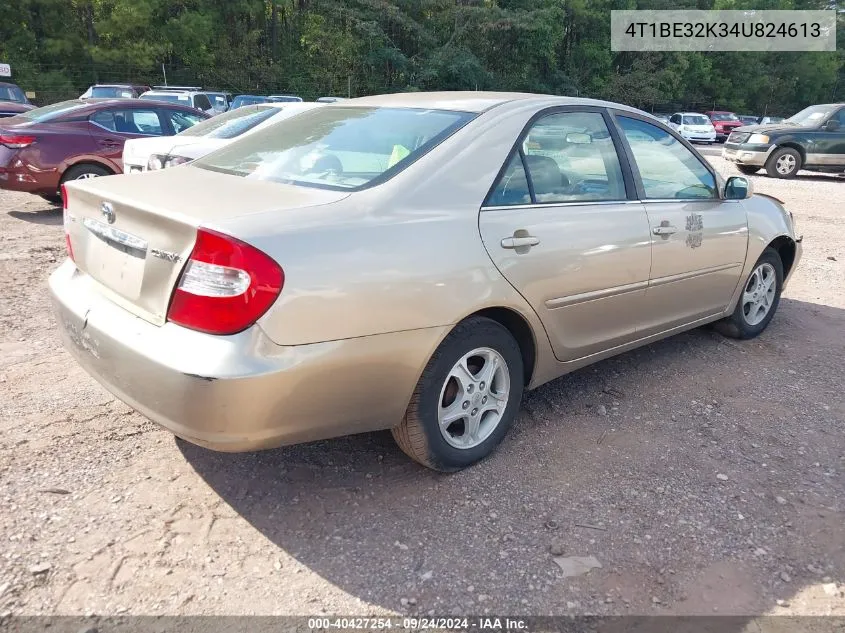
226	285
66	222
16	141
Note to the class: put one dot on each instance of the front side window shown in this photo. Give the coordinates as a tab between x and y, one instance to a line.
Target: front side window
676	118
667	168
336	148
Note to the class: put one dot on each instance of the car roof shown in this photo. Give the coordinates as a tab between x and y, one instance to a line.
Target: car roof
471	101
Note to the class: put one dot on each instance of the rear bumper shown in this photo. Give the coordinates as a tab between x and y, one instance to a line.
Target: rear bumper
239	392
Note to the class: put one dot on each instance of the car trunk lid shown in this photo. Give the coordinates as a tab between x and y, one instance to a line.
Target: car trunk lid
134	235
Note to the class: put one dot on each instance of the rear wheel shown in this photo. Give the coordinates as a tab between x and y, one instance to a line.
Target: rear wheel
748	169
759	299
783	163
466	399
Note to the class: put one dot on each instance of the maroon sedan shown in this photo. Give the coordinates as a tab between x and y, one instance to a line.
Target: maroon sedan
42	148
13	100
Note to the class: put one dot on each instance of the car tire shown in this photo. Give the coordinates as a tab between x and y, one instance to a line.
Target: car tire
455	375
784	163
756	305
52	198
748	170
87	170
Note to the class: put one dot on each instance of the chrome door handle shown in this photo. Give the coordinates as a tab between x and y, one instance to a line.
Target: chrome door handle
520	242
664	230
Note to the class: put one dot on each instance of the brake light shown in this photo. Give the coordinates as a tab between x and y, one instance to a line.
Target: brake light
16	141
66	222
226	285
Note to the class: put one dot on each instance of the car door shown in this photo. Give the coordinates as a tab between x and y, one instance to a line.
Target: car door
826	147
563	227
112	127
699	240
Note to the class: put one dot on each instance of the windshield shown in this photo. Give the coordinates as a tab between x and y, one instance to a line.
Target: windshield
110	92
696	119
232	123
50	112
242	100
337	148
723	116
12	93
167	97
812	116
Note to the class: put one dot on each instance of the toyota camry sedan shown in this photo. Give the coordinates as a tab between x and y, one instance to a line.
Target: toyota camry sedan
410	262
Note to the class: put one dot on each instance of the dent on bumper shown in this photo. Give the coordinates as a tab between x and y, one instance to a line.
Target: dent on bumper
240	392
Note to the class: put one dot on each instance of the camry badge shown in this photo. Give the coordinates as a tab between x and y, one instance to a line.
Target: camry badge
107	210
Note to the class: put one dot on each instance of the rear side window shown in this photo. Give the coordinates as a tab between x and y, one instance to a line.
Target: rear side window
337	148
129	121
667	168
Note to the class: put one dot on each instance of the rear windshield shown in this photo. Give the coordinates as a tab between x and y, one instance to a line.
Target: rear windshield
12	93
168	97
285	98
109	92
242	101
50	112
337	148
724	116
232	123
696	120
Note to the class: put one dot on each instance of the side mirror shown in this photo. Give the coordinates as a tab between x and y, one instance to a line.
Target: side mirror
832	125
738	188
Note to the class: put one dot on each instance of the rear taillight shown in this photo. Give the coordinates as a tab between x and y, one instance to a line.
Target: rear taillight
16	141
226	285
66	222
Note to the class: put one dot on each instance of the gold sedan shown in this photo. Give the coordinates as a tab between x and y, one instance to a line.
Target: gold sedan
410	262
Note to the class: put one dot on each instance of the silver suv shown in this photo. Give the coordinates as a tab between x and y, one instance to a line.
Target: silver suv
193	96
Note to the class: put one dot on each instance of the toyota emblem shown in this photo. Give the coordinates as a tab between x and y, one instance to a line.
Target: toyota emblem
108	212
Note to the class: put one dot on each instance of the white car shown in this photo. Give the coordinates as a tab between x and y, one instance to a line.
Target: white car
693	126
145	154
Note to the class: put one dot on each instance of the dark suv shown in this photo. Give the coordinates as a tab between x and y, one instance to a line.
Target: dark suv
13	100
813	139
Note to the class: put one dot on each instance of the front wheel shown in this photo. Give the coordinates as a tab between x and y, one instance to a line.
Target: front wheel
466	399
759	299
783	163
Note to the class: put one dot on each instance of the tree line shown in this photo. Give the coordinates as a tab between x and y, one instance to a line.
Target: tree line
357	47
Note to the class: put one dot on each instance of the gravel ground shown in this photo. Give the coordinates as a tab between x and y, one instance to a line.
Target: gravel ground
703	475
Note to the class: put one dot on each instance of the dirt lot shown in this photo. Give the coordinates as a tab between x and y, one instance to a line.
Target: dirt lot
714	483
